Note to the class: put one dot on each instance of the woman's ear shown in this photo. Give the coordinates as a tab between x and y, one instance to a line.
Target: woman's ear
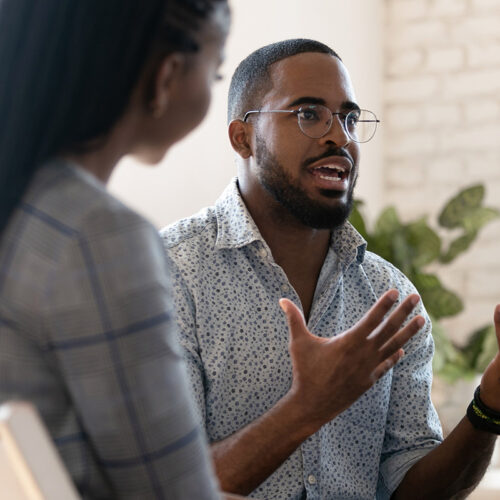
164	81
239	135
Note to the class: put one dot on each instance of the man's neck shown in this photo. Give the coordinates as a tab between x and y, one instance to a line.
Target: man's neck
299	250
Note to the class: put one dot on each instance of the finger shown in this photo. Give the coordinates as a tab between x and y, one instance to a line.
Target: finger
402	336
396	319
295	319
372	319
386	365
496	320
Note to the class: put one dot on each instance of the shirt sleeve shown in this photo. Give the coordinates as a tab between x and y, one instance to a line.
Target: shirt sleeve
185	316
413	428
111	332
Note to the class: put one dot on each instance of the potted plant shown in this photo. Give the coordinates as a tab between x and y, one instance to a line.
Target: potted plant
412	247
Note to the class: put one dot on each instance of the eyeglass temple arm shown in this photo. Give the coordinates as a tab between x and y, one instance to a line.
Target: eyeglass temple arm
268	111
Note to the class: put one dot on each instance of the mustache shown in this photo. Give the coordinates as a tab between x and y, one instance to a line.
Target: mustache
327	154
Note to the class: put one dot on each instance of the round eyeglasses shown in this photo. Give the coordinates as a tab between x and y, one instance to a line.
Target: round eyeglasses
316	120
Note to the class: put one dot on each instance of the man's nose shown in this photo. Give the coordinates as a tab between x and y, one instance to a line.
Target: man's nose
337	133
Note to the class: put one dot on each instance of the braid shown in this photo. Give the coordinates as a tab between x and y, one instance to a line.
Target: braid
183	20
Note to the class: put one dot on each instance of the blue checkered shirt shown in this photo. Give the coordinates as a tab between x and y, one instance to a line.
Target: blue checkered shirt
235	338
86	335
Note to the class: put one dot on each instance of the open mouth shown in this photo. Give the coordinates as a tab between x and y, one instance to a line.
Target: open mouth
331	172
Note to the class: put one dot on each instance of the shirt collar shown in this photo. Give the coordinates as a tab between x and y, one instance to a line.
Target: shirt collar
348	244
236	228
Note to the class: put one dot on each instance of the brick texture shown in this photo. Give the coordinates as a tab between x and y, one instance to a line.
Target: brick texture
441	122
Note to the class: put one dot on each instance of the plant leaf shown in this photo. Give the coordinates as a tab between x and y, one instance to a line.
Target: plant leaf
425	244
478	218
457	246
357	220
475	345
490	349
388	222
461	205
438	300
447	351
426	281
448	362
381	245
401	252
442	303
451	372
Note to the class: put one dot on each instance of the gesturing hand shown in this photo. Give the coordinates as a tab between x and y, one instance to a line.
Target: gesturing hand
330	374
490	383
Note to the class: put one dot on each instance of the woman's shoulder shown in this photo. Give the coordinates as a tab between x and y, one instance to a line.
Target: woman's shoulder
64	212
68	198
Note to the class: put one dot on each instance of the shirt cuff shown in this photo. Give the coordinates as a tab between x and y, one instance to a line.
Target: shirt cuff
393	470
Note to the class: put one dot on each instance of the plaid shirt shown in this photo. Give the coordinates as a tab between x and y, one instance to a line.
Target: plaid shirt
235	337
86	335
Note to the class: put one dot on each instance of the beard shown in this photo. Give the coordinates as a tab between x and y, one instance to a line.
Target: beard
294	199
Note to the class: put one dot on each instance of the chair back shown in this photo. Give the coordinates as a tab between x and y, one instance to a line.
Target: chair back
30	466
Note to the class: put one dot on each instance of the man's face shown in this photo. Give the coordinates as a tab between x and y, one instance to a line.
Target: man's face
311	179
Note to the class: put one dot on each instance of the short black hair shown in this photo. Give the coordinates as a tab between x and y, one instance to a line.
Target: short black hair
251	78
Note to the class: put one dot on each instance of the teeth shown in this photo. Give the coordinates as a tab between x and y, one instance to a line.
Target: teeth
332	167
328	178
336	172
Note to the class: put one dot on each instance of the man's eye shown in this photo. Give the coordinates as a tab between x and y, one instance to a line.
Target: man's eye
352	120
308	115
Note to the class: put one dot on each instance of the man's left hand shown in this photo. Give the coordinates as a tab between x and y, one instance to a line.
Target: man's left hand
490	383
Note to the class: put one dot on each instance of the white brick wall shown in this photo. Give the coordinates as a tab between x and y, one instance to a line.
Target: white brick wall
441	124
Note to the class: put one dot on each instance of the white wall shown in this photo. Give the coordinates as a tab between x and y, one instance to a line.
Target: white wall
196	171
442	102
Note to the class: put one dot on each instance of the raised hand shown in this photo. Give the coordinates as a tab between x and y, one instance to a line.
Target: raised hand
330	374
490	383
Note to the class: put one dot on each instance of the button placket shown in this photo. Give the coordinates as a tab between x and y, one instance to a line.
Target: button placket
310	468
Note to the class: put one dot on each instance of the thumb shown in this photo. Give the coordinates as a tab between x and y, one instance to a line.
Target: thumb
295	319
496	320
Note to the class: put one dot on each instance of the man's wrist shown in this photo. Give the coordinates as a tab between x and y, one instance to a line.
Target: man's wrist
481	416
305	418
488	398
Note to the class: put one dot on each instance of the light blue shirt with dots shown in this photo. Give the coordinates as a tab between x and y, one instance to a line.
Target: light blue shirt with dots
235	340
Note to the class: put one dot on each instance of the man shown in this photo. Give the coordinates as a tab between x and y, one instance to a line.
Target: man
335	413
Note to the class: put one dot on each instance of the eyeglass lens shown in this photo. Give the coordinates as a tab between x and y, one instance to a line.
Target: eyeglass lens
316	120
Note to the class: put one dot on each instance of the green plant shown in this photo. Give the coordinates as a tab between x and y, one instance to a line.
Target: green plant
413	246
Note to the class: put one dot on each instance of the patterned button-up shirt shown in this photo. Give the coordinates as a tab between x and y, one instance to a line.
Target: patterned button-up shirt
86	334
235	338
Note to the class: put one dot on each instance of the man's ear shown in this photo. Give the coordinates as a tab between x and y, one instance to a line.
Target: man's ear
239	135
164	80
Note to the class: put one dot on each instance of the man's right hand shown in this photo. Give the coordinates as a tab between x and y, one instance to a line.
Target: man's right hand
329	375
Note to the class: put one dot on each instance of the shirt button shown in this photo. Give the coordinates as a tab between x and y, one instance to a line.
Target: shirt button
311	479
263	253
285	287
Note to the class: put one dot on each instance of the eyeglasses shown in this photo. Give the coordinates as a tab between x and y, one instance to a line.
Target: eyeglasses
316	120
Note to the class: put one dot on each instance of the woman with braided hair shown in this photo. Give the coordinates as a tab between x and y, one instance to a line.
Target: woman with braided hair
86	328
